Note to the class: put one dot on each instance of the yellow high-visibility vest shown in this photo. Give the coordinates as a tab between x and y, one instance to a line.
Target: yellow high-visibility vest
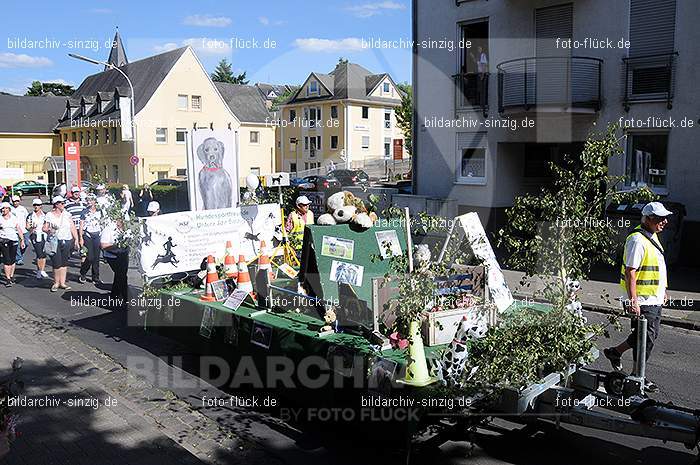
298	226
648	276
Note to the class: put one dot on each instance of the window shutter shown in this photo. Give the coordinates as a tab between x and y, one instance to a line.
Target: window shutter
550	24
652	27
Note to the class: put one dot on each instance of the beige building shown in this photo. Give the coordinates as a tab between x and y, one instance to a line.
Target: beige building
345	116
27	137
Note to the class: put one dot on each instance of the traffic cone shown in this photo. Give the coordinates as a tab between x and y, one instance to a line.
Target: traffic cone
230	267
264	261
244	283
212	276
417	368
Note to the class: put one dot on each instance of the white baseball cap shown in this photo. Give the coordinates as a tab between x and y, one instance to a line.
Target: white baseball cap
5	205
153	206
57	199
37	202
16	198
75	189
303	200
656	209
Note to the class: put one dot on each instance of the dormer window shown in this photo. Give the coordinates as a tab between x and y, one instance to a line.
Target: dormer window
313	88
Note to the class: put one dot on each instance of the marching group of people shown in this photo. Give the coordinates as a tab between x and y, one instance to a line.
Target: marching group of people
76	222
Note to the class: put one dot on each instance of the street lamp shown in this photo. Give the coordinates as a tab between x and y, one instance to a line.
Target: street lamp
133	96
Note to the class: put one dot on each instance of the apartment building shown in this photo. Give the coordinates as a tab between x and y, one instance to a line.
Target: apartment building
518	84
343	117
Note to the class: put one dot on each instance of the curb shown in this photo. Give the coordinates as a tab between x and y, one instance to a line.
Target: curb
665	320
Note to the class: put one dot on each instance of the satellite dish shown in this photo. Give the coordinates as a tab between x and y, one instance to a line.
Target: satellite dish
252	181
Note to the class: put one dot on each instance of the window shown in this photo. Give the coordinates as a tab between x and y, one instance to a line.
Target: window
161	135
88	140
334	142
181	172
293	167
646	159
314	116
292	115
73	137
387	88
365	112
387	148
182	102
334	111
81	138
387	118
65	137
306	142
313	87
365	142
162	174
180	135
106	136
197	102
97	137
254	137
313	146
114	135
318	142
115	173
255	170
473	163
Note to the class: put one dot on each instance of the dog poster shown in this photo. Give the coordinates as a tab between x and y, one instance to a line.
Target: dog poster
348	273
213	167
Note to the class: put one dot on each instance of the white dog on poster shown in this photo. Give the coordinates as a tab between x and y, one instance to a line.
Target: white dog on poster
214	181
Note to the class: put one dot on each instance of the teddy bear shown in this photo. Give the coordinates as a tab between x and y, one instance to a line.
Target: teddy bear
330	319
344	207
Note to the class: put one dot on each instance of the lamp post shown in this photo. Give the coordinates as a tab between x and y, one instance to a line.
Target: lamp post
133	115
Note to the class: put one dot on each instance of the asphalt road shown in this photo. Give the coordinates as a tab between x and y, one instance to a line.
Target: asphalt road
675	366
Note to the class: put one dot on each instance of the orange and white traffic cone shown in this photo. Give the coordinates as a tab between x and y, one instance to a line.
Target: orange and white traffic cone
212	276
230	267
244	283
264	261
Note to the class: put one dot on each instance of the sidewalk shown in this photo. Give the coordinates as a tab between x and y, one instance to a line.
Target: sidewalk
600	296
100	413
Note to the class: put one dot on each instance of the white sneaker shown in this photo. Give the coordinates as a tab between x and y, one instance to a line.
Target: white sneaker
37	275
43	274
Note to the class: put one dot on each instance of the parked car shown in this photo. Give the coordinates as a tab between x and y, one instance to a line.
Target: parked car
350	177
320	183
176	201
27	187
177	181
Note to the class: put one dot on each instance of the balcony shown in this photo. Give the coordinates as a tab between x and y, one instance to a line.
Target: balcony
650	78
472	91
550	84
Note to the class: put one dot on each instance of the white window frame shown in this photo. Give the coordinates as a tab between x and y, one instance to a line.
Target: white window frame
192	104
366	146
257	137
387	153
165	133
186	107
474	145
387	122
310	90
181	131
387	88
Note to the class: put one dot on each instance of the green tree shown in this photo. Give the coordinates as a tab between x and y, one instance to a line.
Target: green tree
224	73
39	88
404	116
342	61
241	79
560	233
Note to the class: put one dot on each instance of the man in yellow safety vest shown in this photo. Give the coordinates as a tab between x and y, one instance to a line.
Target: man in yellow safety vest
298	219
644	282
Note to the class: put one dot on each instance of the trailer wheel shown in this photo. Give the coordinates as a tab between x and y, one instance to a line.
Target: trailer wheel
614	382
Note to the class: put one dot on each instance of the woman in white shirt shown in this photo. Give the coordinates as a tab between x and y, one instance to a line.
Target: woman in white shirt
37	236
59	224
10	236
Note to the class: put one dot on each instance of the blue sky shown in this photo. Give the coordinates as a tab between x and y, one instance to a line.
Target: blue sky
308	35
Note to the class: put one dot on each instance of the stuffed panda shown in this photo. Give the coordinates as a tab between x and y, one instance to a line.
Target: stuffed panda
344	207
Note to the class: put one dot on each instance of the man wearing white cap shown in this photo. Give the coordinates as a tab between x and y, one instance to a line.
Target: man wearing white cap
102	197
644	281
153	208
298	219
21	214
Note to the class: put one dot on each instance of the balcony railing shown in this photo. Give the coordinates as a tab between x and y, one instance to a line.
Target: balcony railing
568	83
650	77
472	91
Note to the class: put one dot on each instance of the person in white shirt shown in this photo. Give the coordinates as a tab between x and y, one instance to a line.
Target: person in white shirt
127	200
37	236
103	200
89	232
21	213
59	225
10	236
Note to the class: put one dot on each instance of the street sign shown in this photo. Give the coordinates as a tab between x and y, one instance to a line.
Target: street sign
277	179
134	160
71	156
